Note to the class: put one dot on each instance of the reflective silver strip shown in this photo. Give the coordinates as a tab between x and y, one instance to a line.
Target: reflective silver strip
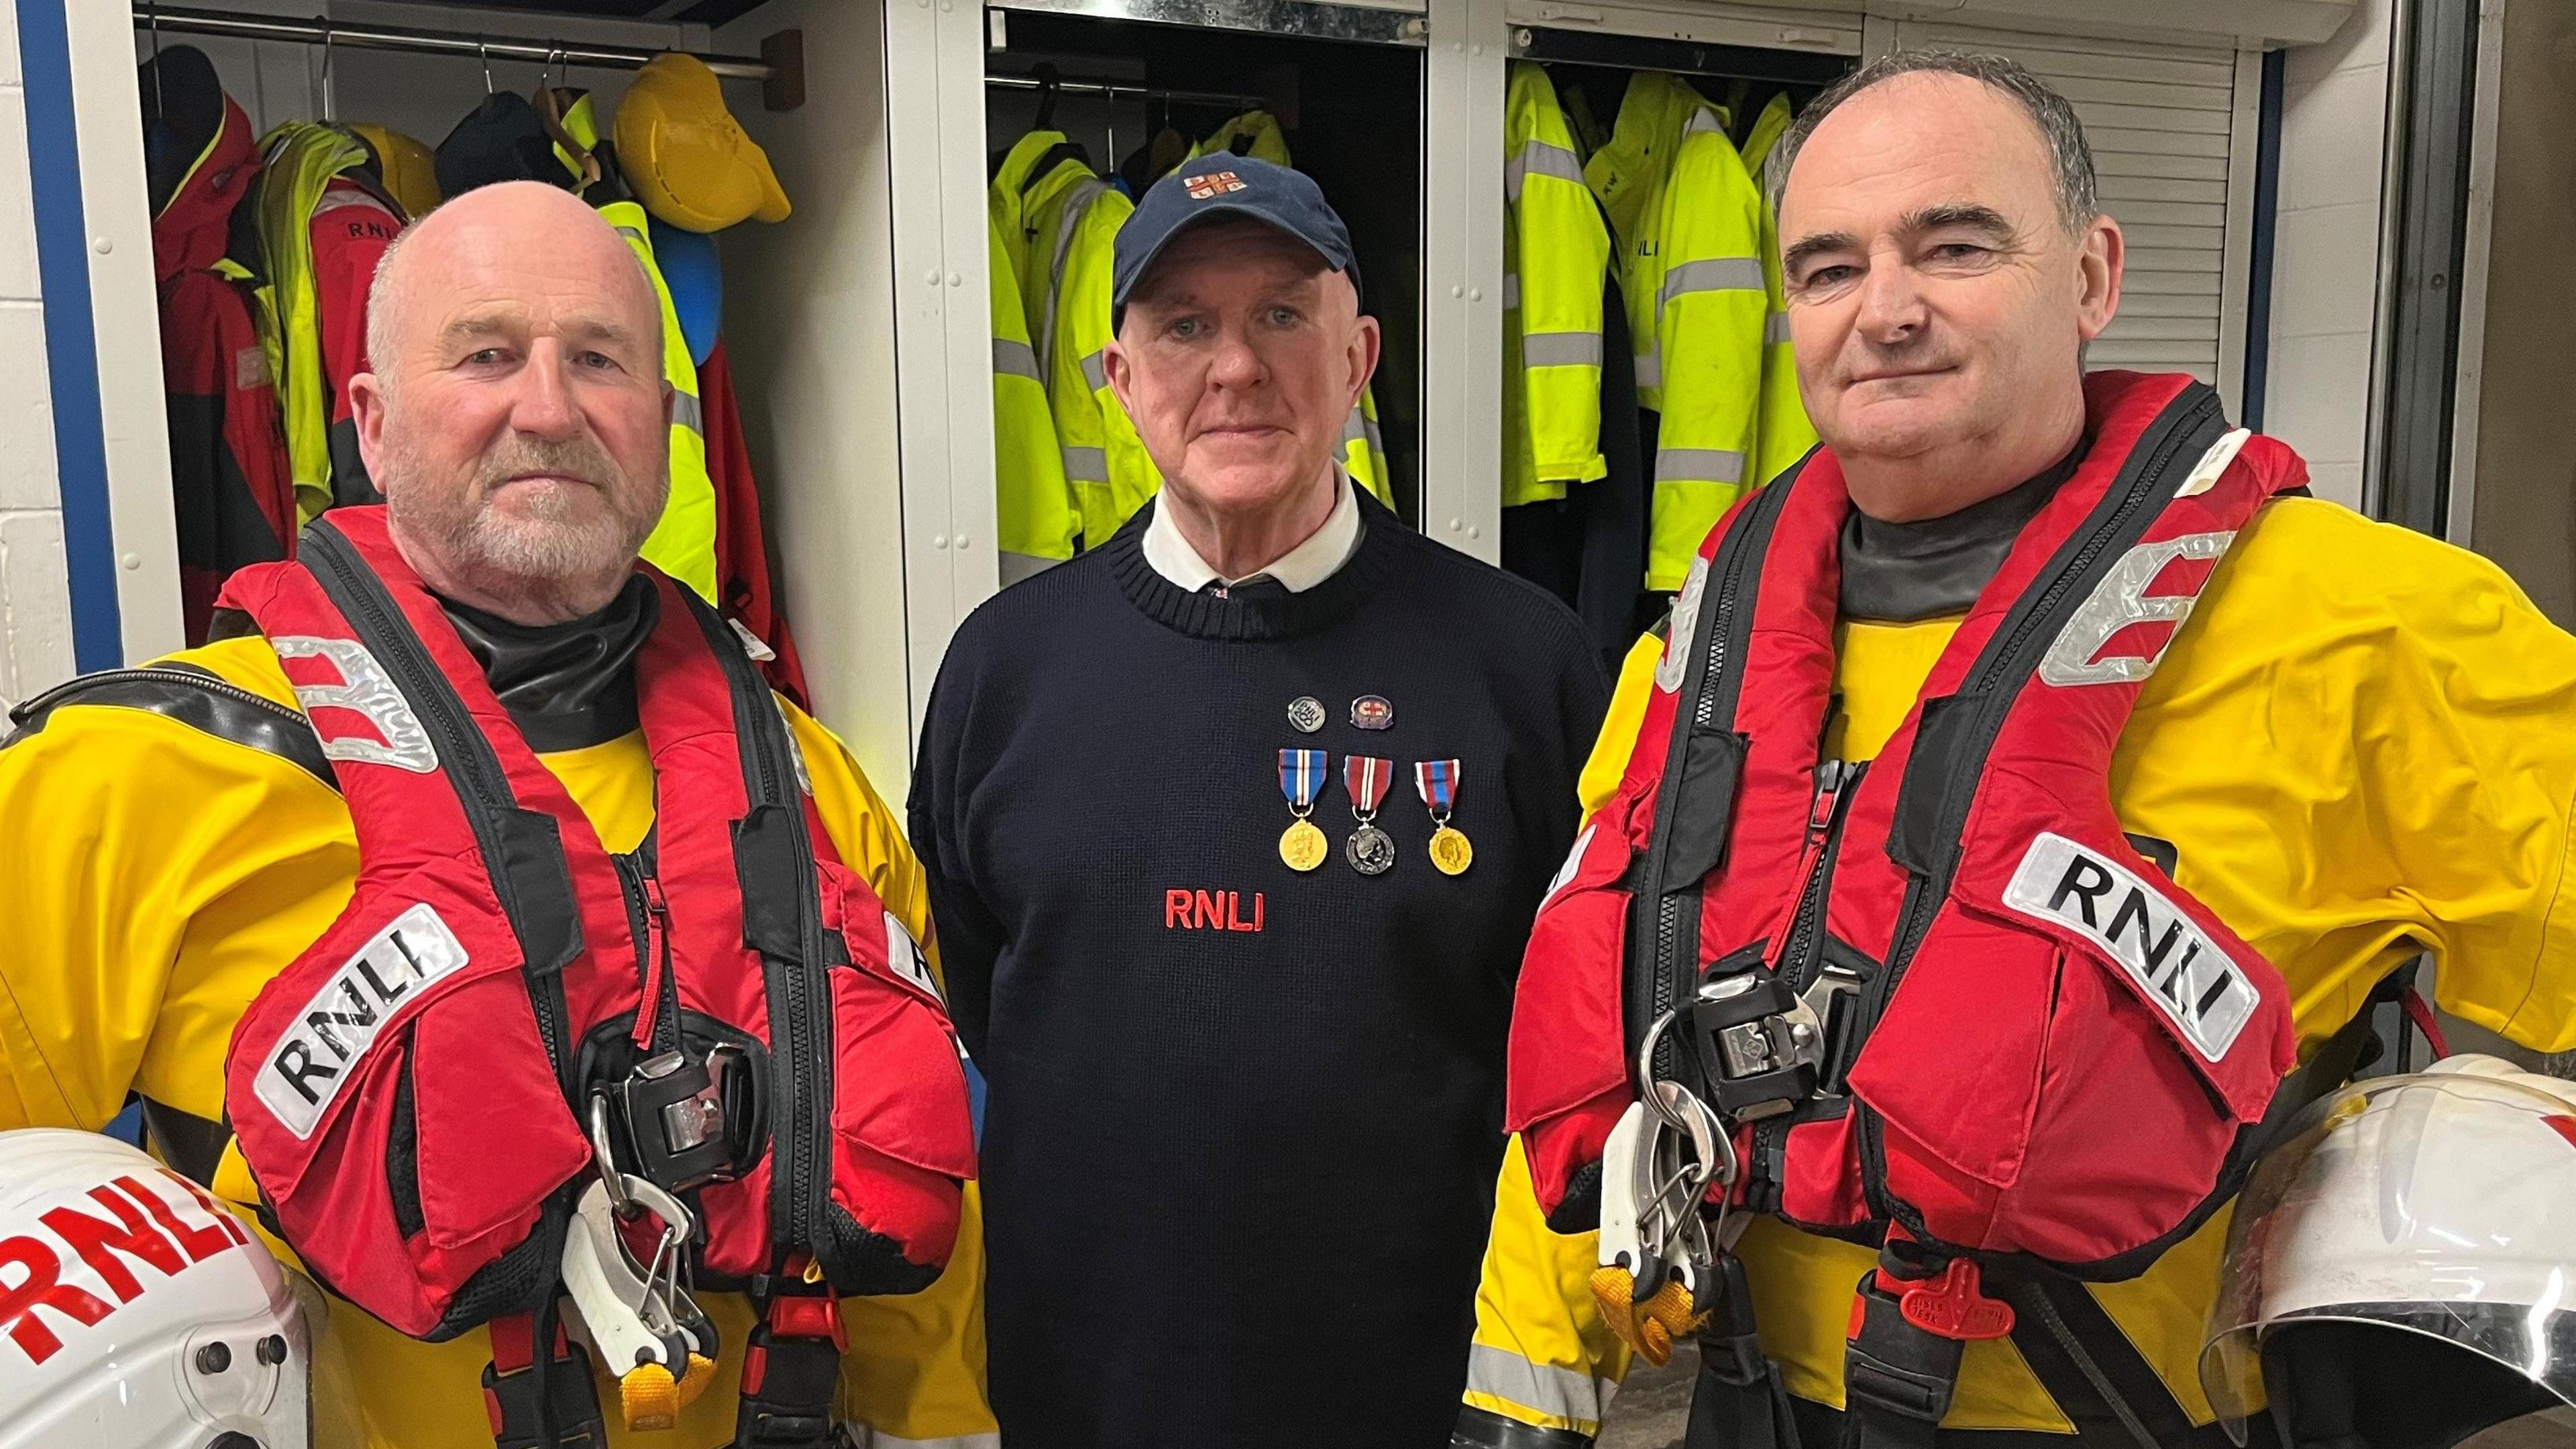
1702	119
1018	566
1511	291
1086	465
1775	329
1095	371
1712	274
1699	465
1016	359
1359	426
687	412
1544	159
1650	369
863	1437
1561	349
1549	1389
1075	207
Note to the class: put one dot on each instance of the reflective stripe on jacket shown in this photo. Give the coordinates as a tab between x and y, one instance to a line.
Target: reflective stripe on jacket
1555	250
683	543
1709	307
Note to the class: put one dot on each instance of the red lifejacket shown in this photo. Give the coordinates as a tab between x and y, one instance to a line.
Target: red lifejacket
412	1092
2035	1044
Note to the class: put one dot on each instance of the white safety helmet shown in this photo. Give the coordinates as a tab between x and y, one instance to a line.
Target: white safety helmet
2402	1270
136	1312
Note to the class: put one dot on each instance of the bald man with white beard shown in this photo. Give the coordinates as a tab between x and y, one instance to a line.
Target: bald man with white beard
180	833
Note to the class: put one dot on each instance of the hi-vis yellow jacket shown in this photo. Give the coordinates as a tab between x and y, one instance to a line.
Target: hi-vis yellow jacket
159	874
1629	176
683	543
1034	504
2362	746
1068	221
1710	313
301	159
1784	435
1556	251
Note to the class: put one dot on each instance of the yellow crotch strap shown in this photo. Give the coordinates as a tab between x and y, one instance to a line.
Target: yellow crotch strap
301	157
683	543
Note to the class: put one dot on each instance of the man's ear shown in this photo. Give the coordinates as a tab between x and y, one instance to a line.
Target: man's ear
2100	265
367	410
1365	344
1114	363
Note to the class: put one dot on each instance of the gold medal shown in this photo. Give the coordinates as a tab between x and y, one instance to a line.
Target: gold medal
1303	847
1450	850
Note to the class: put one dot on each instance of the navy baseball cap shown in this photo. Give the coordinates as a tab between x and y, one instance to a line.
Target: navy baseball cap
1219	185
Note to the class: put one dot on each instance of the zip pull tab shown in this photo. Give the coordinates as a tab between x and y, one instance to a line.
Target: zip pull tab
1831	776
657	949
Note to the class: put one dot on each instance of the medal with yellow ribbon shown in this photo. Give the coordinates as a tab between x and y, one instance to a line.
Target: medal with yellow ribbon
1301	779
1436	781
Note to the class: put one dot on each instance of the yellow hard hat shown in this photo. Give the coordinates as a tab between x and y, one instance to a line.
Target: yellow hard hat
410	171
685	156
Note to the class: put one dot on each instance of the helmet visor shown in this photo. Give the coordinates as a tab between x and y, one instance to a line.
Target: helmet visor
2439	1203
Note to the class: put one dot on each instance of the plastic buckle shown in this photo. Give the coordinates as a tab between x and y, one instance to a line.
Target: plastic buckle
791	1368
1891	1365
1757	1044
1953	1305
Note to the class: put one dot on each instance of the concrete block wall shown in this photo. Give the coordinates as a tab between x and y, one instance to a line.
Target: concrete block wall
2325	249
35	594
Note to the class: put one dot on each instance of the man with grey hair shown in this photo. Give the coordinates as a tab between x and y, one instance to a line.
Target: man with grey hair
2014	642
184	838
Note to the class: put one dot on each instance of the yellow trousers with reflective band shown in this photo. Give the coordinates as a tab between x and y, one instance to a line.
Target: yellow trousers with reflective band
2363	746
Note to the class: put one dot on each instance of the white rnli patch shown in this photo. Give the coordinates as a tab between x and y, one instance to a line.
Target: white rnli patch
319	1052
2185	973
904	954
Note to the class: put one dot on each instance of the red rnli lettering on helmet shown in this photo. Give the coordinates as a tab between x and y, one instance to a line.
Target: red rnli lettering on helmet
2179	969
309	1064
45	1274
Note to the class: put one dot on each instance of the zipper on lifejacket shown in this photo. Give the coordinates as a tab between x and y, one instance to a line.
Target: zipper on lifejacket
466	752
1719	605
808	999
2086	1365
648	916
1924	893
1835	780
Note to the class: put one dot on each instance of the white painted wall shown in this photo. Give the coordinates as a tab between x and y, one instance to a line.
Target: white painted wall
35	598
2325	249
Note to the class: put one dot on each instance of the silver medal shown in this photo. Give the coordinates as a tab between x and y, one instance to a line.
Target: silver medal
1371	851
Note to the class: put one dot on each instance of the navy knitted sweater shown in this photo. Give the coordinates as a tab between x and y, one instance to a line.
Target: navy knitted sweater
1244	1122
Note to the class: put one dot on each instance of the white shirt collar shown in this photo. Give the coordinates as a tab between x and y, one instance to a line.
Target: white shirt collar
1299	569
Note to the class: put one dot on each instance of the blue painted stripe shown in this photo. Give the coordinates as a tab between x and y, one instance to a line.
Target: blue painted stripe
71	337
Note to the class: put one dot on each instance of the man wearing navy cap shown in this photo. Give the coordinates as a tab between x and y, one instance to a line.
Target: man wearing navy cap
1234	827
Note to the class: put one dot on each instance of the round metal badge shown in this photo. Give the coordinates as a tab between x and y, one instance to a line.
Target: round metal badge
1303	847
1372	712
1371	851
1450	850
1306	714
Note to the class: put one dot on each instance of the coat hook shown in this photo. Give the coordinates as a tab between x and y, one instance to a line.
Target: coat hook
483	48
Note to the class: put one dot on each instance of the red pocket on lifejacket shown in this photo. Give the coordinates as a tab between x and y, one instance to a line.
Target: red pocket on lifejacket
902	1138
1568	1076
394	1099
2170	964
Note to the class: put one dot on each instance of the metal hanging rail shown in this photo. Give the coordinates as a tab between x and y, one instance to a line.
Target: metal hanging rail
322	30
1112	90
